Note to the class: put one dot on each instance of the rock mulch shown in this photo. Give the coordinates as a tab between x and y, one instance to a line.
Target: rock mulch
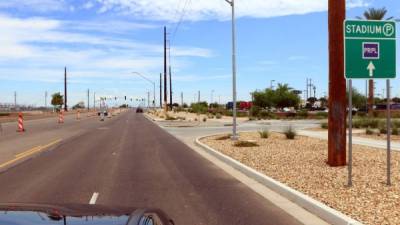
300	164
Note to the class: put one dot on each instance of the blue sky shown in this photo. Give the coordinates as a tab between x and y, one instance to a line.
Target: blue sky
103	41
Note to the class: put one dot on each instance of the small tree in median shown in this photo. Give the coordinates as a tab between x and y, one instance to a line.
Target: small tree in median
57	100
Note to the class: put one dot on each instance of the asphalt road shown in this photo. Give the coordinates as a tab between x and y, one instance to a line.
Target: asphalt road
129	161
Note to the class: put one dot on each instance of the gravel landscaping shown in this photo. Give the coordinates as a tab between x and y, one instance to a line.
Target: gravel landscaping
300	164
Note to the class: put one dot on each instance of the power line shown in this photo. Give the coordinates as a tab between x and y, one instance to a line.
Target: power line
183	13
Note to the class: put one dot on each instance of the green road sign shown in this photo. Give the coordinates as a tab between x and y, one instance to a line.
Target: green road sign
370	49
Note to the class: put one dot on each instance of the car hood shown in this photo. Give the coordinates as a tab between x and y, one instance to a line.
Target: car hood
79	214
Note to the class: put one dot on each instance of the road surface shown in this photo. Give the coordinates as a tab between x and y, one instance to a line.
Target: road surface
129	161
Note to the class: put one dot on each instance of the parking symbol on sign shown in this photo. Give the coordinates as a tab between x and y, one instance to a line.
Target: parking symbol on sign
370	50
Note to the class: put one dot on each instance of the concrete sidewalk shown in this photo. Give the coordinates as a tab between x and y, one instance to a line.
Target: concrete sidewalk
356	140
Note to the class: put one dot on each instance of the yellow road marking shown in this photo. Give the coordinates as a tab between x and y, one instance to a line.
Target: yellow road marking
26	152
29	152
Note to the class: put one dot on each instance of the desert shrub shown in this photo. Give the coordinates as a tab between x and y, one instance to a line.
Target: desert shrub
251	118
168	117
366	122
302	114
228	113
224	137
218	116
290	133
396	123
255	110
324	125
200	108
361	114
204	119
245	144
264	134
383	130
241	114
369	131
321	115
395	131
266	115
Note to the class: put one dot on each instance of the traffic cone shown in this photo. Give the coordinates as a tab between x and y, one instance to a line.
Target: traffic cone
20	123
61	117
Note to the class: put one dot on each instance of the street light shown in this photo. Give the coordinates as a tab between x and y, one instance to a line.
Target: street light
232	4
272	84
154	86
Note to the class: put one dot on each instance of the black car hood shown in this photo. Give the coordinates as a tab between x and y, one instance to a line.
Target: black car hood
79	214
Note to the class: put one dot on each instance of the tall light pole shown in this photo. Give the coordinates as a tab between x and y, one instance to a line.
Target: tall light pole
272	84
232	4
154	86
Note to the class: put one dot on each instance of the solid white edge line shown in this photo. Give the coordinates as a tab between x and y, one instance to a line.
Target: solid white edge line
94	198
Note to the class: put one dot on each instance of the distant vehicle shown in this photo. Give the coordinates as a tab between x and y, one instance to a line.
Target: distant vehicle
38	214
395	106
241	105
245	105
229	105
139	110
105	113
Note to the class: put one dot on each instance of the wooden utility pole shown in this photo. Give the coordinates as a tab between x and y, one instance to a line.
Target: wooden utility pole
160	91
165	71
65	90
170	88
337	85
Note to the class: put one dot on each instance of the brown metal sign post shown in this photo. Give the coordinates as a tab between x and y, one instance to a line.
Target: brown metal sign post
337	85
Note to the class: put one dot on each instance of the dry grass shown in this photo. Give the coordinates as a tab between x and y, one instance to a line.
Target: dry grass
300	164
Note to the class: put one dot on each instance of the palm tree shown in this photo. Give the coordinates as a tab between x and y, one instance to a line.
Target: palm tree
373	14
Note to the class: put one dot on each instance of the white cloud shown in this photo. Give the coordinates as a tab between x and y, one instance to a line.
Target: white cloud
34	5
170	10
47	46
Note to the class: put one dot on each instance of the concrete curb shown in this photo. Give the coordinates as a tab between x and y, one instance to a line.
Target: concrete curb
317	208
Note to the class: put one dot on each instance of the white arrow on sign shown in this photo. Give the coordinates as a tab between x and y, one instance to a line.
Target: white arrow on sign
371	68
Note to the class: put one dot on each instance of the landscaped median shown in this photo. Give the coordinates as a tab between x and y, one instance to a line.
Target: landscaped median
301	165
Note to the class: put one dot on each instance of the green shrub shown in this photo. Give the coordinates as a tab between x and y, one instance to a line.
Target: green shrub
382	130
210	116
361	114
4	114
242	114
324	125
255	110
366	122
396	123
321	115
395	131
290	133
224	137
266	115
218	116
302	114
369	131
200	108
245	144
264	134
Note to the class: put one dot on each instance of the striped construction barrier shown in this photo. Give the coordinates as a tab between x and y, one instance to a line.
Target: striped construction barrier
61	117
20	123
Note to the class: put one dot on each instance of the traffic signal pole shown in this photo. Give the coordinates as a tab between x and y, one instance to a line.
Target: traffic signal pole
337	85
